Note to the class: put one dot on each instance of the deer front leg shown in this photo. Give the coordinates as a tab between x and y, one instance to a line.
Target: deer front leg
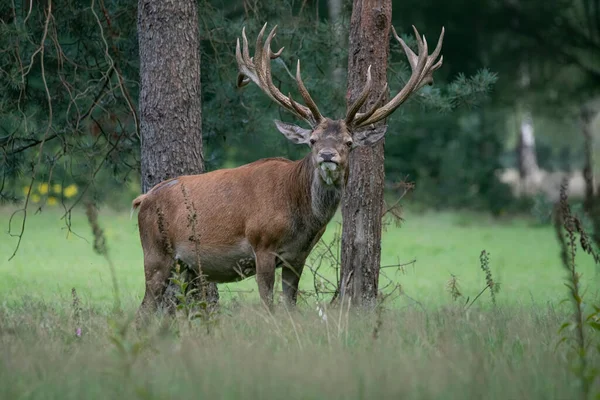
290	278
265	276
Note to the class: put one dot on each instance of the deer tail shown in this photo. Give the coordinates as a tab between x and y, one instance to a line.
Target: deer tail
136	203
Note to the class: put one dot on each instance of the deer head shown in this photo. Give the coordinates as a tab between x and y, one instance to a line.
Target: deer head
332	140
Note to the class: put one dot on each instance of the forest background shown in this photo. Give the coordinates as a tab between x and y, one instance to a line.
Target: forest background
510	69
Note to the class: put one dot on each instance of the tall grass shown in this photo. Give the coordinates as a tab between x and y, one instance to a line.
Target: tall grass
585	337
252	354
464	349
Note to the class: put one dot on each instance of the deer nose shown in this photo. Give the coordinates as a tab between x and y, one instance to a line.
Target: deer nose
327	156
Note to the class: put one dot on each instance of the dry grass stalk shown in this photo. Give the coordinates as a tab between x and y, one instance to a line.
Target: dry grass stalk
453	287
395	210
162	229
101	248
567	226
194	238
484	259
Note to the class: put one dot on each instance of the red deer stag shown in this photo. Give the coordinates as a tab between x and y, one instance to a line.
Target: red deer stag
269	213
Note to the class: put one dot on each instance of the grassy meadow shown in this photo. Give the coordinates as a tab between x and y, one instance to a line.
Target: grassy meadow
524	259
420	344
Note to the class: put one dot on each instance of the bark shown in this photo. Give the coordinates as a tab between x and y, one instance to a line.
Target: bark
529	171
530	181
528	165
170	90
362	205
335	15
169	101
592	194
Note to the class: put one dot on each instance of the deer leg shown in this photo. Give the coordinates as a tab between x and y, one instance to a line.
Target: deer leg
265	276
290	278
157	270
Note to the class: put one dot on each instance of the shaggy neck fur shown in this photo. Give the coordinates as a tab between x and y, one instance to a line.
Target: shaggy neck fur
324	199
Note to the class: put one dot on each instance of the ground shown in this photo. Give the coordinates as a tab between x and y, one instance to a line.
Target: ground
420	345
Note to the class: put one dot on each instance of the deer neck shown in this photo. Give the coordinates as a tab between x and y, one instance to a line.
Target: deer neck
321	199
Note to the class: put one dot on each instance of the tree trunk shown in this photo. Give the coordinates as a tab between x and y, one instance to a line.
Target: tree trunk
362	205
170	108
528	167
592	194
335	16
526	158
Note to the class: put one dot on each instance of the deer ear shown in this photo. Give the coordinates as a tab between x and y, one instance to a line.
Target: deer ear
369	137
294	133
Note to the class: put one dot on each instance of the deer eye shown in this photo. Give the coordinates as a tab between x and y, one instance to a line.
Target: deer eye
349	143
313	141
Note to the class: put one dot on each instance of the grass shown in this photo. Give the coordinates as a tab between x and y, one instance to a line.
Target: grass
523	257
426	346
445	354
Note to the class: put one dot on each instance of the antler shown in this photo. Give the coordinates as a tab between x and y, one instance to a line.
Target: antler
258	70
422	67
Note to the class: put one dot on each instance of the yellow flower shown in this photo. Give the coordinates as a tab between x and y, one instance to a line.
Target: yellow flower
35	198
43	188
70	191
52	201
57	188
26	190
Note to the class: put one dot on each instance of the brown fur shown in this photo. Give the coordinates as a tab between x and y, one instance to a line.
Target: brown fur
250	219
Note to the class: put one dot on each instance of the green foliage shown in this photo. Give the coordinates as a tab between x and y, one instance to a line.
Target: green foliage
450	139
91	68
447	142
192	304
238	123
452	159
67	109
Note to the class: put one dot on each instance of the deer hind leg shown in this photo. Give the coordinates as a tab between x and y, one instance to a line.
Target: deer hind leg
265	276
290	278
157	268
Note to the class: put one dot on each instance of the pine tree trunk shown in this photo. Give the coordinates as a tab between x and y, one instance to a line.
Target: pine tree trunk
528	165
592	193
527	160
362	205
170	108
335	16
526	156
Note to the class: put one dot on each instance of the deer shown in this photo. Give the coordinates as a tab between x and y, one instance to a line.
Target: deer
268	214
